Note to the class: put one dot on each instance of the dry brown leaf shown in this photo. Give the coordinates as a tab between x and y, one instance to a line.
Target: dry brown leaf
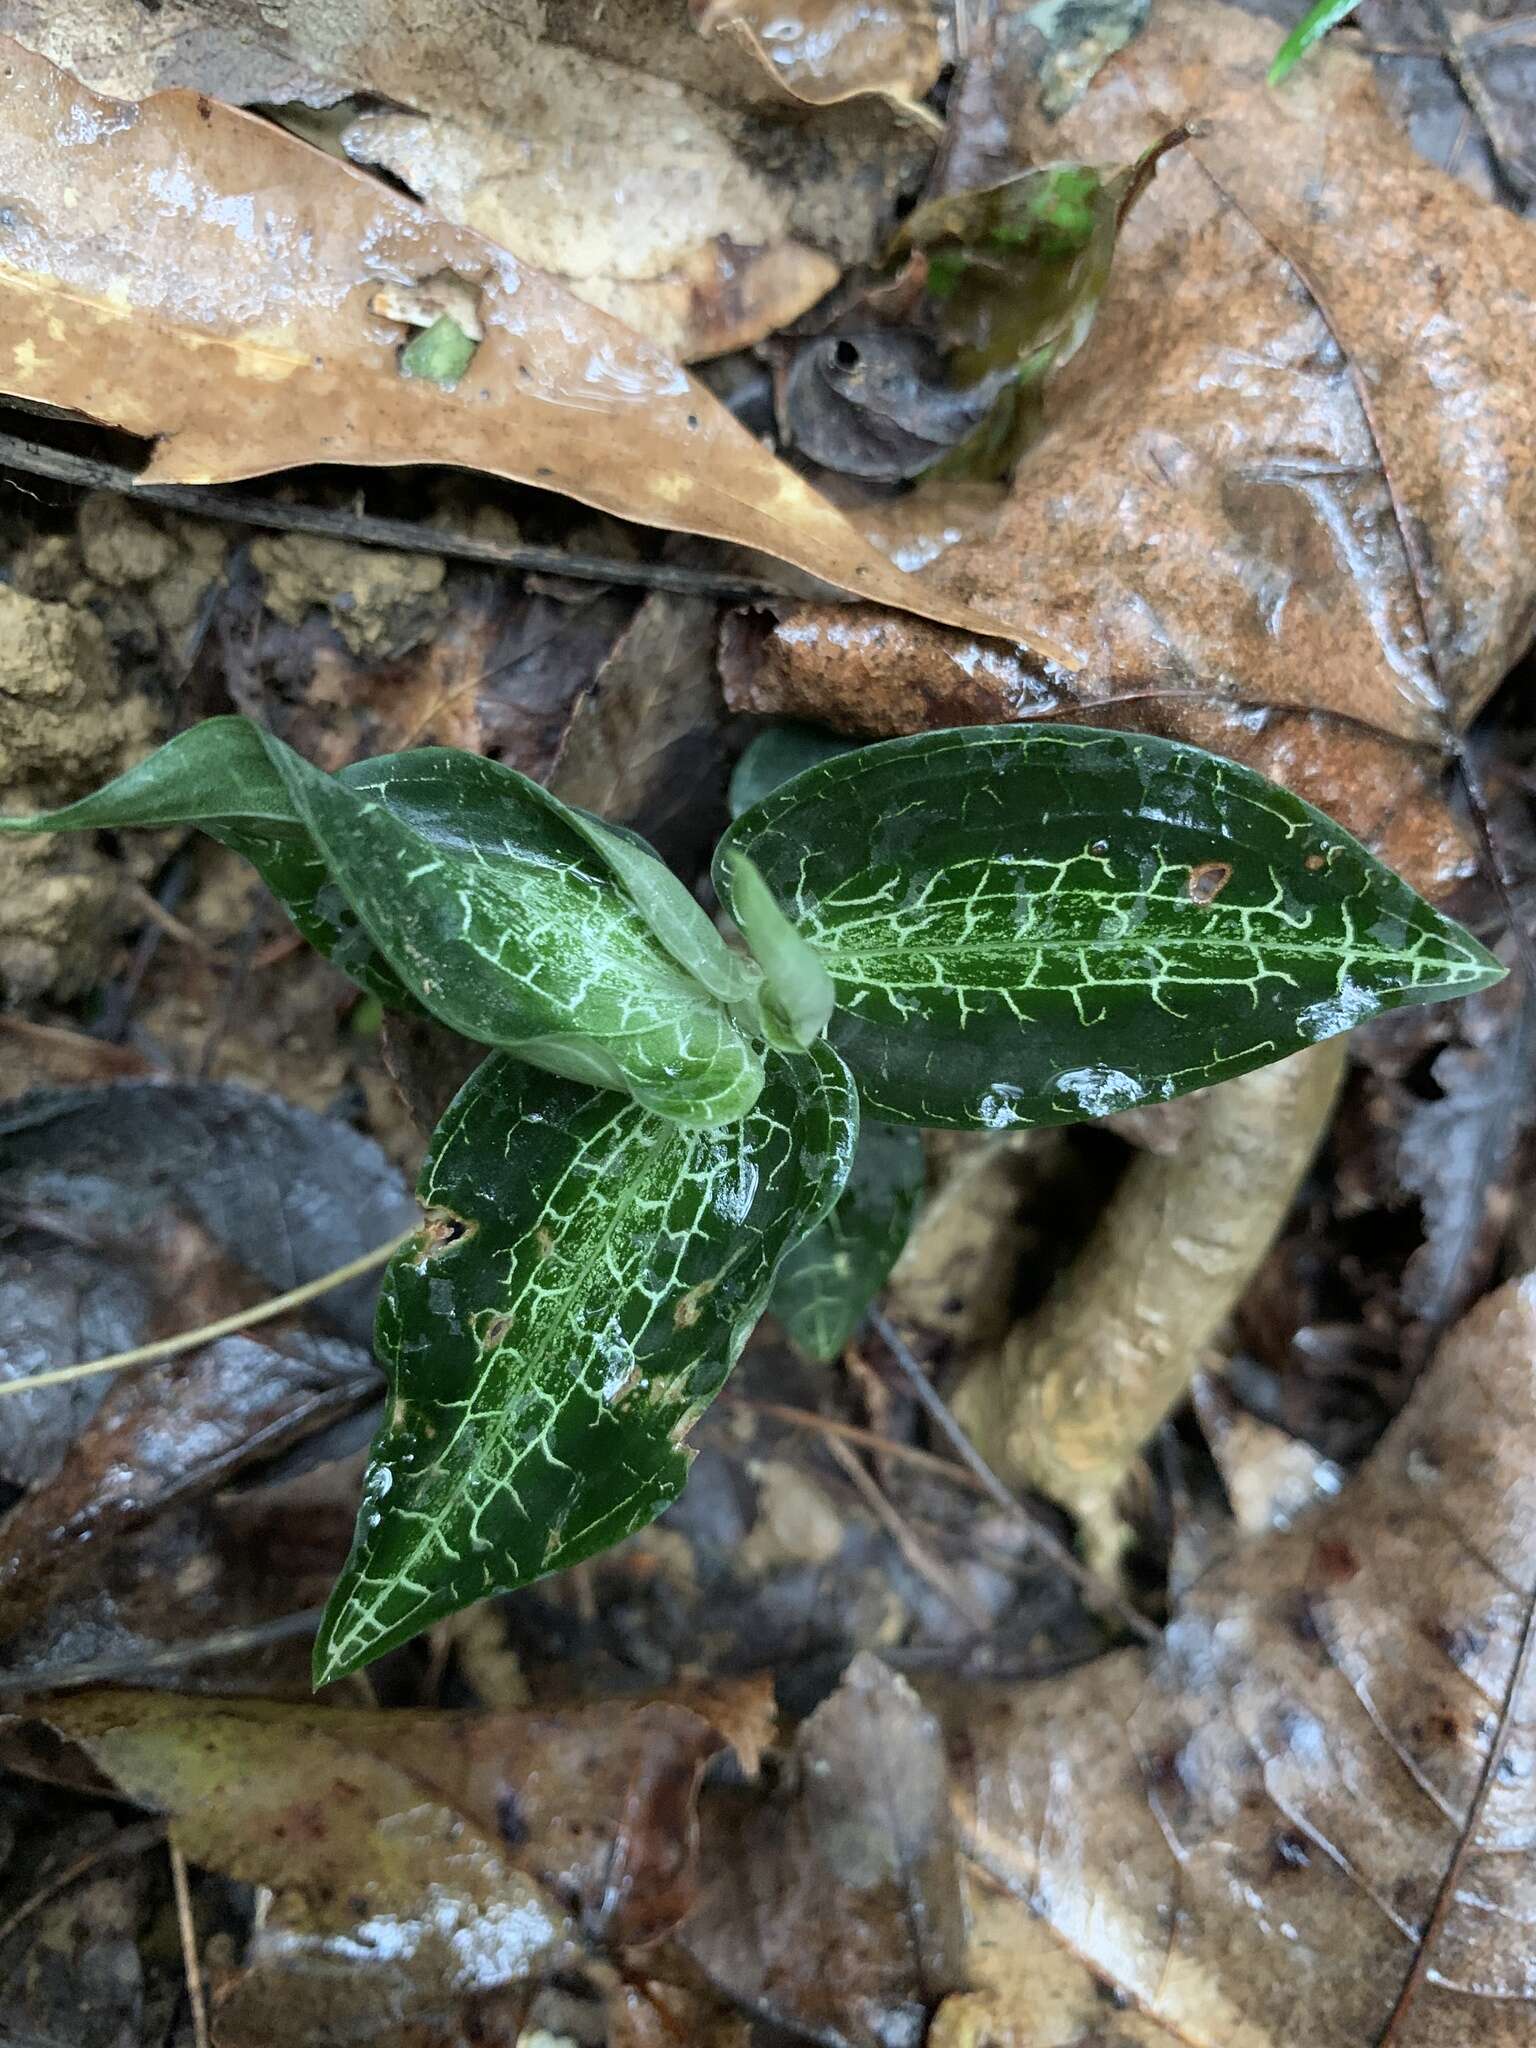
1309	1816
1288	469
657	179
822	51
191	273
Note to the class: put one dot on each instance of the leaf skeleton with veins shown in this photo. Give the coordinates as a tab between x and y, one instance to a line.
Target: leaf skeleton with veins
974	929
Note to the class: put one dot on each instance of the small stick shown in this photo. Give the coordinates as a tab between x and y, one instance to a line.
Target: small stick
1094	1589
189	1959
850	1432
226	1326
136	1665
32	458
129	1841
908	1542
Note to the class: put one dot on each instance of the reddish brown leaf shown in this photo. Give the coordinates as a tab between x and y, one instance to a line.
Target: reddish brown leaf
1287	470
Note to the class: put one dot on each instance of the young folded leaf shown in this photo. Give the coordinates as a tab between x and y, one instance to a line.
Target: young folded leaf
1037	924
585	1279
1013	276
832	1275
444	881
502	923
795	1001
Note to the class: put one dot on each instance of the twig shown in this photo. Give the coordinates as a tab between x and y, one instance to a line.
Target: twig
413	536
1450	1884
868	1439
190	1963
226	1326
137	1665
1093	1588
129	1841
908	1542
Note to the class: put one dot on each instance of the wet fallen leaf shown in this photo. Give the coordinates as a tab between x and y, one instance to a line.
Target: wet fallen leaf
254	350
645	744
165	1436
821	51
103	1178
831	1903
1281	509
420	1863
658	177
134	1212
1308	1816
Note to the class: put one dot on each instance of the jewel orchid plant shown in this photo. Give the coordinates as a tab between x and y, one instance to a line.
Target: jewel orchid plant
974	929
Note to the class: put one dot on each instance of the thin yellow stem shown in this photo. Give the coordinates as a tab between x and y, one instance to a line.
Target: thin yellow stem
189	1340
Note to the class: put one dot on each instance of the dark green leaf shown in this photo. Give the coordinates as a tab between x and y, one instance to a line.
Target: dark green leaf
1312	27
585	1280
444	881
833	1274
1037	924
777	753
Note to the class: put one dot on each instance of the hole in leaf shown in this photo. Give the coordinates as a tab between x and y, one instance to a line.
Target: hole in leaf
441	1231
1207	881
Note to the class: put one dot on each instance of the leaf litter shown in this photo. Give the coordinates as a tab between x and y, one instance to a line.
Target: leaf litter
578	402
1303	1814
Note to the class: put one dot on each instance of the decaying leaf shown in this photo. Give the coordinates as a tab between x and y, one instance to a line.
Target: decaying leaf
822	51
166	1436
96	1175
658	177
831	1903
272	357
419	1862
1281	508
1308	1816
135	1212
644	746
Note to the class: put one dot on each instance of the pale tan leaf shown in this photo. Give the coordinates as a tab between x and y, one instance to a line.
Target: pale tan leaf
194	275
1311	1816
822	51
657	178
